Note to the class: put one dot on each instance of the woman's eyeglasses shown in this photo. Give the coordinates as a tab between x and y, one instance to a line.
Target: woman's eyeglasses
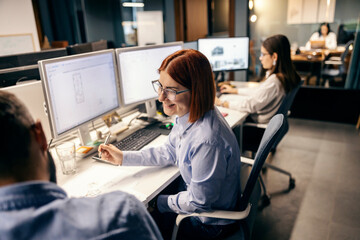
264	54
169	93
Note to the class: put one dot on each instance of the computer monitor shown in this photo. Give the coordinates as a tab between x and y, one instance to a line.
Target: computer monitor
79	89
13	76
226	54
32	95
191	45
138	66
22	67
31	58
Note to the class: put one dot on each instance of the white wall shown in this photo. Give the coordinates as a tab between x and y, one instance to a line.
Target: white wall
17	17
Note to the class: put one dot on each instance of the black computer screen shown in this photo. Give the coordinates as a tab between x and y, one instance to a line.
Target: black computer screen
31	58
12	76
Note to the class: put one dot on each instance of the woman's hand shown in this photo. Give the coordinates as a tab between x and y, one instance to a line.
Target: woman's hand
227	89
111	153
218	102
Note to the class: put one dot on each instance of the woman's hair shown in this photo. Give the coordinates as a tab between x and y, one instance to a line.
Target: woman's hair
324	24
191	69
283	68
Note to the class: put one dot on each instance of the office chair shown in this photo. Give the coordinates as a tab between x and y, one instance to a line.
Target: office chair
247	201
335	66
285	110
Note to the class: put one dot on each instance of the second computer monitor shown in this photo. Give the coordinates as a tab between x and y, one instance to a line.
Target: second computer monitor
226	54
138	66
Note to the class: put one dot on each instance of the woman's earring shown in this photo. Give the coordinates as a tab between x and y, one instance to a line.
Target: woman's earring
274	62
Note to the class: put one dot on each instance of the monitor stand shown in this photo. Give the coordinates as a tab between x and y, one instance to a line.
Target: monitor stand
222	76
150	111
84	135
150	108
219	77
87	145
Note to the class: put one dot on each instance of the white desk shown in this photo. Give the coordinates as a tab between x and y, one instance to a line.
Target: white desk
93	178
239	84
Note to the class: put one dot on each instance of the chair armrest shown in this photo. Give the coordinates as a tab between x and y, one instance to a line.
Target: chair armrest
335	58
248	161
231	215
258	125
331	62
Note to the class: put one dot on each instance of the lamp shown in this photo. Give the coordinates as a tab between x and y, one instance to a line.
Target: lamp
251	4
253	18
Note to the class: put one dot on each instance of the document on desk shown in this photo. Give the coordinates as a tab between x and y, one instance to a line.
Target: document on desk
230	97
104	178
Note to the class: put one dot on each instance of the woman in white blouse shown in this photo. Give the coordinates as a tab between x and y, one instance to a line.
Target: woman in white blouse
263	101
324	33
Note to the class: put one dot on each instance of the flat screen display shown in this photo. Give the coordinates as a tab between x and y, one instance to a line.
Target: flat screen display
138	66
226	54
79	88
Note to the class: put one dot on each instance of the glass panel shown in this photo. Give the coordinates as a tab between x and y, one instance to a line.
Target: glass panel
129	11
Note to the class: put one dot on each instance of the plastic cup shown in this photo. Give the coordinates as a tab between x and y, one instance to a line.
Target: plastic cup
67	157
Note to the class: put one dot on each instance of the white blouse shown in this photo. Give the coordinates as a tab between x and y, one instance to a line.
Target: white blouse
260	102
330	40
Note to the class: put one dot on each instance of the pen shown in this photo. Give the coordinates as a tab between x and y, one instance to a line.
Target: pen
105	143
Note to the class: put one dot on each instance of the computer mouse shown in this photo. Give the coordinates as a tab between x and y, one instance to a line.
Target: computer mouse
168	126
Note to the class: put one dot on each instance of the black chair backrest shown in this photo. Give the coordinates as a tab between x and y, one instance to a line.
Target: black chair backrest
345	53
271	134
288	100
342	67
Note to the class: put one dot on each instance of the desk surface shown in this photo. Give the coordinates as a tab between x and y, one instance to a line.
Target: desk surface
93	178
307	58
317	55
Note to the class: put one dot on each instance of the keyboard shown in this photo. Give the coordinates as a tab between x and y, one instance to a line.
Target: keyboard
137	140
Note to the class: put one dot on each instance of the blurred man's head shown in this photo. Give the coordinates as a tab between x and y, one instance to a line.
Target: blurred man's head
23	144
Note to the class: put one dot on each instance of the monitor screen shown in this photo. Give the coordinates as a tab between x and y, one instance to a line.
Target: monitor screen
191	45
32	95
226	54
31	58
23	67
13	76
138	66
79	89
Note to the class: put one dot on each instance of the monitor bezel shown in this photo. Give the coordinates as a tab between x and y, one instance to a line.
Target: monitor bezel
48	102
222	38
139	48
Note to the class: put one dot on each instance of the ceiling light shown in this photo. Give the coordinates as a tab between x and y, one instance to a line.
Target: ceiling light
253	18
251	4
132	4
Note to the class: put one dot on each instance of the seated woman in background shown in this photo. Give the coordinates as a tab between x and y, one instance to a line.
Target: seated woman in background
262	102
324	33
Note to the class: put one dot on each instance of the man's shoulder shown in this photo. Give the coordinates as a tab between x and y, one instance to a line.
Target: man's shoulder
116	200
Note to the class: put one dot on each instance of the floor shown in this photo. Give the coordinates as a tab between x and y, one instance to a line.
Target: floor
324	158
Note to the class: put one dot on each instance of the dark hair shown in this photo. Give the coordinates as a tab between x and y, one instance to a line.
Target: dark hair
283	68
324	24
15	124
192	69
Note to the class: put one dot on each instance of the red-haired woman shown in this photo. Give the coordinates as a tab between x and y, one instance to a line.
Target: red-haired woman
201	144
